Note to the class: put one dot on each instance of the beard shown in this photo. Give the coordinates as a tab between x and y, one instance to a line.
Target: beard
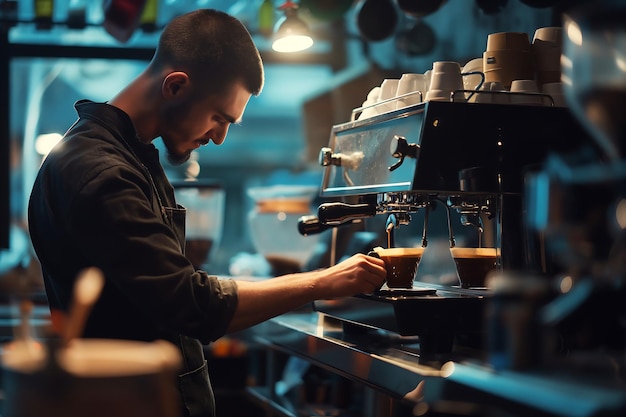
175	158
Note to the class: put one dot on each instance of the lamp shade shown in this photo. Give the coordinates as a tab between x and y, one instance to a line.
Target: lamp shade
291	34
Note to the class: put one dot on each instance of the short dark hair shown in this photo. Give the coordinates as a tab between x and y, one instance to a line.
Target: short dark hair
213	44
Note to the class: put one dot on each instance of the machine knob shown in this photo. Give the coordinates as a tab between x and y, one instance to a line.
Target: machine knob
327	158
401	148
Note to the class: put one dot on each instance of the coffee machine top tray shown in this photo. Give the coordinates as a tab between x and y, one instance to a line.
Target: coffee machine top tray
424	147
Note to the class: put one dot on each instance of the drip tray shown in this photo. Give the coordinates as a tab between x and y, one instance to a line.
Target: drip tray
435	314
402	292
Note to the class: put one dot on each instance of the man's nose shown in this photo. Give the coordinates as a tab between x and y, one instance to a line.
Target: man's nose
218	135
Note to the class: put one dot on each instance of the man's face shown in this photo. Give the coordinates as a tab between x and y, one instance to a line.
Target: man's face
195	120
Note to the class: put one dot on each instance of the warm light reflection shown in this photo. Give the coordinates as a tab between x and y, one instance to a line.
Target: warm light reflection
620	213
44	143
447	369
620	62
292	43
319	328
566	69
566	62
192	170
567	81
291	34
574	34
566	284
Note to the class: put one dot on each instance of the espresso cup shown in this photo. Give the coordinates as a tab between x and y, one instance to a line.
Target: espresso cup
369	105
491	92
508	57
508	65
428	75
473	67
501	41
401	264
388	89
411	90
473	265
555	90
527	93
445	78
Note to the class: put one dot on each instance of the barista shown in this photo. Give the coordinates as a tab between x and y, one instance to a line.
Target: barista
101	198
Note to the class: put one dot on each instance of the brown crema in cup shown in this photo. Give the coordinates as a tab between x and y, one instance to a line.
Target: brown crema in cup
401	264
474	264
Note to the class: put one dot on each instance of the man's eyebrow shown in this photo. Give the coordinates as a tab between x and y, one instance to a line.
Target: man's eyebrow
230	119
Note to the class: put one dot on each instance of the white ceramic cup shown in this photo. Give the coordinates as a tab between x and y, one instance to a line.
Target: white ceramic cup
428	75
369	108
491	92
525	86
470	82
553	35
547	48
388	89
411	89
446	78
508	41
555	90
373	94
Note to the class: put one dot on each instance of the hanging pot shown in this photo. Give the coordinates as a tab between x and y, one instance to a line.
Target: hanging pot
420	8
419	40
491	6
377	19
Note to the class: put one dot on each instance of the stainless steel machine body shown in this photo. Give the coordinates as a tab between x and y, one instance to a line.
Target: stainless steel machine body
472	158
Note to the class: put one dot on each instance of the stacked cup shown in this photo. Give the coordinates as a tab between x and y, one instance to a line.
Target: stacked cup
508	57
388	89
547	49
491	92
445	79
528	94
411	90
555	90
473	79
368	105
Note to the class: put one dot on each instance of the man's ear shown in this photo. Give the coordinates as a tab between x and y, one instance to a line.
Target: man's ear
173	83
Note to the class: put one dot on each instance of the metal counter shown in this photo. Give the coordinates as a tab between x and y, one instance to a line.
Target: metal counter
369	357
391	365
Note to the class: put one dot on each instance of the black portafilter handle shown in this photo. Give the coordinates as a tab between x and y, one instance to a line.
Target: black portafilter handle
333	215
311	225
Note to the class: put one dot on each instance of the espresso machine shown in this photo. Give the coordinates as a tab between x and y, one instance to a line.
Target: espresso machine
470	158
